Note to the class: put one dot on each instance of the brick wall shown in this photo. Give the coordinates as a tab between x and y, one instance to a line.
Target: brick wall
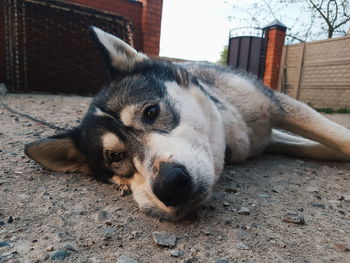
2	46
275	43
151	22
318	73
146	16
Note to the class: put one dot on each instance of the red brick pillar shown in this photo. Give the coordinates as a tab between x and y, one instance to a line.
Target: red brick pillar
2	44
275	33
151	21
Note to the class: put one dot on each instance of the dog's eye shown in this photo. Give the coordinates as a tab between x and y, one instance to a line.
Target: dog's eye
151	113
116	157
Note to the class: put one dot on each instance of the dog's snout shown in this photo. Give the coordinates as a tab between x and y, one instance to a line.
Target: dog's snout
173	184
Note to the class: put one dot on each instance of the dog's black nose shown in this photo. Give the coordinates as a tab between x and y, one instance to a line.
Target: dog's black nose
173	185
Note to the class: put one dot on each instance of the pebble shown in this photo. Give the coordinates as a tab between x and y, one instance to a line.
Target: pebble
293	218
242	234
347	198
264	196
176	253
5	257
126	259
10	220
2	223
164	239
225	204
101	216
70	248
191	260
222	260
278	243
5	244
231	190
277	190
312	189
50	248
244	211
317	205
60	255
341	247
242	246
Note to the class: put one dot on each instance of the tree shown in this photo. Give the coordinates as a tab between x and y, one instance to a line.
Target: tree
334	13
305	19
223	56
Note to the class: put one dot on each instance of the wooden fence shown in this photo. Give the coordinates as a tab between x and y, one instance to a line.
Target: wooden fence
317	73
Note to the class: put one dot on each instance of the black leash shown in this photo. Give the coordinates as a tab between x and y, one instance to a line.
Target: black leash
50	125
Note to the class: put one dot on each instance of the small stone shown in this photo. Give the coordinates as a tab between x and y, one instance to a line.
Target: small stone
44	256
347	198
101	216
293	218
2	223
277	190
191	260
222	260
317	205
244	211
206	232
264	196
341	247
5	244
231	190
50	248
278	243
312	189
10	220
225	204
126	259
70	248
318	197
176	253
242	246
164	239
5	257
243	234
60	255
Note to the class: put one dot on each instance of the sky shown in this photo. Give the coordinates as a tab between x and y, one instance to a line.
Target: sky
199	29
194	29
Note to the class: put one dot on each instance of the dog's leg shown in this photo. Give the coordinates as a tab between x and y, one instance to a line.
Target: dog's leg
286	144
297	117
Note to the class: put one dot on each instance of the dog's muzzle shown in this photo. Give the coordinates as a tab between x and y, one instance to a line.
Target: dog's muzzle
173	185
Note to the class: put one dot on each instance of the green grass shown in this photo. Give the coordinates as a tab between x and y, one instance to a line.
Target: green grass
332	111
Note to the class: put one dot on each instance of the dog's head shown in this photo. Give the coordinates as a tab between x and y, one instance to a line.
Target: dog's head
152	128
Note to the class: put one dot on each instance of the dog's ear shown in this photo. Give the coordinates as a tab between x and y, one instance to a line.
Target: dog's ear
120	57
59	153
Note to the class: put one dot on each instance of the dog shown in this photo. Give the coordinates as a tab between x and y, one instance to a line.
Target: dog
166	129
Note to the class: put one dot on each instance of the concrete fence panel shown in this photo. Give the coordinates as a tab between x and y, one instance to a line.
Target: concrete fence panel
317	73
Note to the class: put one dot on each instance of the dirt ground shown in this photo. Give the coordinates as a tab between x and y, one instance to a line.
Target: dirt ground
46	215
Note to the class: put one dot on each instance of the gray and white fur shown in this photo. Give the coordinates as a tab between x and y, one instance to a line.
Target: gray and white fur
167	129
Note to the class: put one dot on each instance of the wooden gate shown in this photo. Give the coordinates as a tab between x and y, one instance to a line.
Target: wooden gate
49	49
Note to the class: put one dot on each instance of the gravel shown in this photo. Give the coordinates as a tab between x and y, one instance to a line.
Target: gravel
293	218
164	239
67	213
60	255
244	211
